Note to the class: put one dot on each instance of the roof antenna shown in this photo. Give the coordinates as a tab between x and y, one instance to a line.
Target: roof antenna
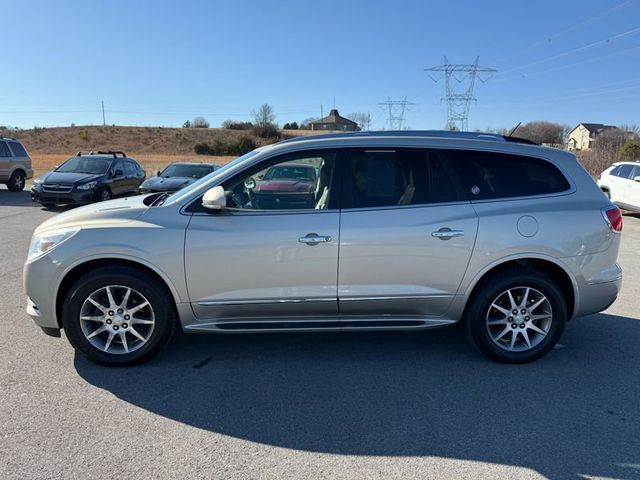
514	129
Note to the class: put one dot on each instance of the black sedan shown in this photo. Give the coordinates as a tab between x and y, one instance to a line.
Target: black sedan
176	176
88	177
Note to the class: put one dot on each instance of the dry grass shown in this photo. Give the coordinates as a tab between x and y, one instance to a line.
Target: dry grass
43	162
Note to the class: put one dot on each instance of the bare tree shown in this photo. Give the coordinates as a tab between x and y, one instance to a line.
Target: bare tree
542	132
200	122
362	119
264	122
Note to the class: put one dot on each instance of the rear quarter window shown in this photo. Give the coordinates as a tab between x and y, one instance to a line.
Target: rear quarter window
489	175
18	150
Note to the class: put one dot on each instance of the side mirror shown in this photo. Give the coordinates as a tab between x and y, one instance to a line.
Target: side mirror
214	199
56	168
636	179
158	172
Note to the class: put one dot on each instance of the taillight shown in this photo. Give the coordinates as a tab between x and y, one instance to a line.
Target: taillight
613	217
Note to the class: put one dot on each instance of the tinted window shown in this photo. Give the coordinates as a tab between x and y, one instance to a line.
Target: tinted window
188	171
486	175
95	165
18	150
4	150
624	171
395	178
635	172
615	171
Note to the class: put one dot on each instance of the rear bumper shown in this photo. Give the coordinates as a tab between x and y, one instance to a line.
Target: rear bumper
72	197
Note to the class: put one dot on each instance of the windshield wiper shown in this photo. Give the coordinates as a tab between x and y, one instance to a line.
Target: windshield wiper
161	199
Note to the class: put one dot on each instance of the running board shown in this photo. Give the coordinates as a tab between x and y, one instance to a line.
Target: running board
260	325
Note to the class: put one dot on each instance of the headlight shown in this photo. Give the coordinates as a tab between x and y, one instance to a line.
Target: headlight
44	242
87	186
37	181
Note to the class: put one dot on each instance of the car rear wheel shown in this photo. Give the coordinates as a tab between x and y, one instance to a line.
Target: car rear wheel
16	182
516	316
118	316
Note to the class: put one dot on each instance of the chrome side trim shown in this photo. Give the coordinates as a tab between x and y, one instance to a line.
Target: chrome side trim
213	303
397	297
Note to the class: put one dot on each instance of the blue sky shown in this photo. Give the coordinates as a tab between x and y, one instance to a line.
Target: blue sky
161	63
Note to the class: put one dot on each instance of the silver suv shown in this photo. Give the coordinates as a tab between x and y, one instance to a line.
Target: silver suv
15	164
360	231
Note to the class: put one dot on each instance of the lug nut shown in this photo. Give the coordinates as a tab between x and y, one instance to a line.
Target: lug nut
124	325
116	327
127	317
522	325
108	321
510	319
526	318
523	311
514	325
120	310
515	312
111	313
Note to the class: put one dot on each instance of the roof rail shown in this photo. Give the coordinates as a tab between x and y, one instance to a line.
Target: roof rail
412	133
100	152
9	138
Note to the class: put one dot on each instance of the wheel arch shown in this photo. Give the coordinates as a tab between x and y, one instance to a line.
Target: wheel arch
554	270
80	269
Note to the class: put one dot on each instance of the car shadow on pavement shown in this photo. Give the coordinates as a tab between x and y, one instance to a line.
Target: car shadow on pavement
575	412
16	199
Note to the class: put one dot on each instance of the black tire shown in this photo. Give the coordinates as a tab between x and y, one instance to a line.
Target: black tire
477	312
17	181
47	205
103	194
155	292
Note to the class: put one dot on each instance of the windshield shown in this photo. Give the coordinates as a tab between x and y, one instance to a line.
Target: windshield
186	191
291	172
189	171
96	166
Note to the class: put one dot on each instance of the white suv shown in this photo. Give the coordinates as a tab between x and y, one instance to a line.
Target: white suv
15	164
621	183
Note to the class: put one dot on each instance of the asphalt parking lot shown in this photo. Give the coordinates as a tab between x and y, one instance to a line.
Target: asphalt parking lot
366	405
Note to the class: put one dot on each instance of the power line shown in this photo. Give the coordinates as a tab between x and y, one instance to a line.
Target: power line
458	104
604	41
396	109
577	26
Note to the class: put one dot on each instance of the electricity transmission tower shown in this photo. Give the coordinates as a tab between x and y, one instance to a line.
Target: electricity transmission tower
396	109
458	103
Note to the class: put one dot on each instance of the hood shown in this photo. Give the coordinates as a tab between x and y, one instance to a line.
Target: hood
69	178
160	184
284	186
113	212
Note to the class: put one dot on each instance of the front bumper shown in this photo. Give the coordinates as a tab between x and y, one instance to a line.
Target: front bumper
74	197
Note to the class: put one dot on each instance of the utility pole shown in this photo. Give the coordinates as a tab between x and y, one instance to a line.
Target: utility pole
396	109
459	103
104	121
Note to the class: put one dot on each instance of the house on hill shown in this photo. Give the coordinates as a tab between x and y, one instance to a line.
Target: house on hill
334	121
584	134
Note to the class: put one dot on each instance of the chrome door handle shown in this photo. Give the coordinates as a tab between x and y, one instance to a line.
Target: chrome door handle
446	233
314	239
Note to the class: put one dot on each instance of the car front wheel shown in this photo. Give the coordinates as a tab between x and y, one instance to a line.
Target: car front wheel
118	316
516	316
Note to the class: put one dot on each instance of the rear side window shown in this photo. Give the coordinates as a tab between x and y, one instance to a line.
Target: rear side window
488	175
624	171
18	150
396	178
4	150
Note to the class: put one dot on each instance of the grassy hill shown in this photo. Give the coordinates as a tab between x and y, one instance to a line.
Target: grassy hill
153	147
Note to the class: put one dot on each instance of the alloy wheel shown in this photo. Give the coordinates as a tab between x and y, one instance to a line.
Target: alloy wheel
117	319
519	319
